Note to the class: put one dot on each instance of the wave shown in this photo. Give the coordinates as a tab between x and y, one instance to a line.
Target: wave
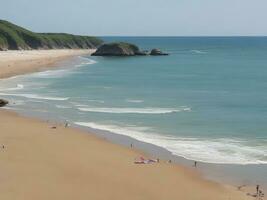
97	101
198	51
18	102
134	110
86	61
18	87
57	73
224	150
63	107
35	96
51	73
134	100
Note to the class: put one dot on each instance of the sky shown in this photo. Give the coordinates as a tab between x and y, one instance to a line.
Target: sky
140	17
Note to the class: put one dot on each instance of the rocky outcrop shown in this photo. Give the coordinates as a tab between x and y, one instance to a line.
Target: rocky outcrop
117	49
157	52
3	102
124	49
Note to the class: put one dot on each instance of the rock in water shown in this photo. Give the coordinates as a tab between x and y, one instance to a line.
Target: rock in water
157	52
124	49
3	102
118	49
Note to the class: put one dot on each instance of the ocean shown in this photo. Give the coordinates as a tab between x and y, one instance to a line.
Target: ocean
206	101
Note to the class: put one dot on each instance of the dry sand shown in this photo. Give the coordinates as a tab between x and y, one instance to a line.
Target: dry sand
22	62
38	162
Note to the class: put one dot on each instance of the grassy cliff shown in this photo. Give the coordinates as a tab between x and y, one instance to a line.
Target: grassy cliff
14	37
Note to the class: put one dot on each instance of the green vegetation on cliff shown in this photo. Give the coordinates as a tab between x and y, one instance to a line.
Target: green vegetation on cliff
14	37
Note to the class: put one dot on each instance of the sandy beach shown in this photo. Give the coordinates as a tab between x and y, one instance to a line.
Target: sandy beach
21	62
40	160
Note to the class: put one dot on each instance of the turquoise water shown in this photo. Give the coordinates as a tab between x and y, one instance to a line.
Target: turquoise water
207	101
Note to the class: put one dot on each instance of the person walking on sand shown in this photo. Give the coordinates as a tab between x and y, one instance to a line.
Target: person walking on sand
195	164
257	189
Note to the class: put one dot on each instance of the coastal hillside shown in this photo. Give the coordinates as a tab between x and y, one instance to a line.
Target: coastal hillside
13	37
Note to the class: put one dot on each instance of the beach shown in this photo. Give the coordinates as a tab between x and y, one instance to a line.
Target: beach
17	62
40	162
46	160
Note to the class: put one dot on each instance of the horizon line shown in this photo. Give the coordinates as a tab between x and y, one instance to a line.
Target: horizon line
180	35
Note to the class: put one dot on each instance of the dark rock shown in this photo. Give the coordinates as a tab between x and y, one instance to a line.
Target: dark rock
3	102
157	52
124	49
117	49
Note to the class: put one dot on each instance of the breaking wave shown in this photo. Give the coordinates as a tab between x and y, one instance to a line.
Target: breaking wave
134	110
223	151
35	96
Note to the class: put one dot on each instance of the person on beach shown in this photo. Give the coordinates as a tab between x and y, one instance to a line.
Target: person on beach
66	124
257	189
195	164
131	145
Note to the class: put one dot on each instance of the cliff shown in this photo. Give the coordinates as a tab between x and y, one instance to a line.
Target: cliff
13	37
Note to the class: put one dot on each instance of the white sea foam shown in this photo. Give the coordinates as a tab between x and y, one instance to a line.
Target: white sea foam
86	61
134	110
9	108
63	107
198	51
95	100
51	73
35	96
18	87
134	100
18	102
57	73
224	151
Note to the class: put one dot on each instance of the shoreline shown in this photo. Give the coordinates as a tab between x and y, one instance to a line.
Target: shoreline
205	188
54	147
234	175
34	60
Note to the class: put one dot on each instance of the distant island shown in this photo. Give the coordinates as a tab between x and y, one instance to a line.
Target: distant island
124	49
13	37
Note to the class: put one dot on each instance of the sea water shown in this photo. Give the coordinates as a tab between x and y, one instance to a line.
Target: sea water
206	101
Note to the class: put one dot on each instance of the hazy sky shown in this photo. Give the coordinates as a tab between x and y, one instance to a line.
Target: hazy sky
140	17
